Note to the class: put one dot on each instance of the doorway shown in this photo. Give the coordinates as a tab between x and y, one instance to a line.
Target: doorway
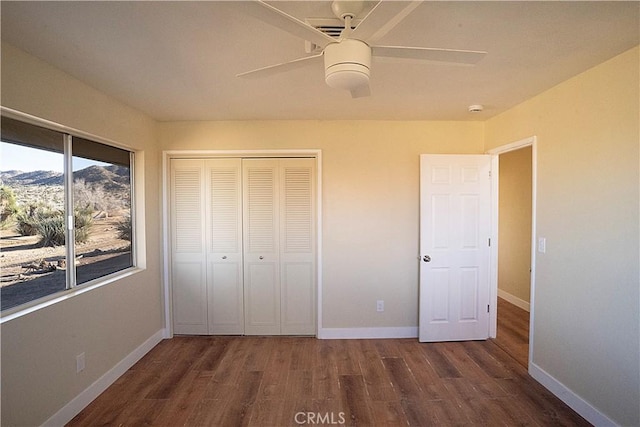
515	250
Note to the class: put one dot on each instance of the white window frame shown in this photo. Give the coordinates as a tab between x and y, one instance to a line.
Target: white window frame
137	217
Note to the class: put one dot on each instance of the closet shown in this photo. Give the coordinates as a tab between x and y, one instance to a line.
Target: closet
243	246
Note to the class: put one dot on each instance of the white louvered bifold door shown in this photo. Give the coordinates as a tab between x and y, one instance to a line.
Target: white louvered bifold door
188	255
243	246
261	249
297	246
224	246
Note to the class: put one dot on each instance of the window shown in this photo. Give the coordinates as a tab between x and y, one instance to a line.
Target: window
66	211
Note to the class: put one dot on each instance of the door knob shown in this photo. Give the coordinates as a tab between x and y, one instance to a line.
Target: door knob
426	258
261	257
224	257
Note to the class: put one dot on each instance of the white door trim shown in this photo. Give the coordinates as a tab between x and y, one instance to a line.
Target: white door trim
167	155
495	153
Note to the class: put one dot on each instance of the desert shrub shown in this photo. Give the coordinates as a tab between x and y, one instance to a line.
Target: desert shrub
51	231
27	221
83	221
26	225
8	206
50	225
124	229
95	197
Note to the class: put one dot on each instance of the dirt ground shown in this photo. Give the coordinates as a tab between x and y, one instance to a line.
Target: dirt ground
101	254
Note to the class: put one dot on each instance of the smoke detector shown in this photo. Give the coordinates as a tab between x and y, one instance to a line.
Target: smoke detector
475	108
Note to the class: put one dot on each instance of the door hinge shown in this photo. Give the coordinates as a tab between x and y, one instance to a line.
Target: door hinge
489	241
487	308
489	174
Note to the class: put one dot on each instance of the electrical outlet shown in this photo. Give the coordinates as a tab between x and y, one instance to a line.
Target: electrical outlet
80	362
380	305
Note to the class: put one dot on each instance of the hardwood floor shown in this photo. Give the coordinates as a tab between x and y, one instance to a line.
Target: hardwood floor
289	381
513	331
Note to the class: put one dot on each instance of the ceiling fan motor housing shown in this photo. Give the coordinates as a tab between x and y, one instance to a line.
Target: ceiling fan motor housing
347	64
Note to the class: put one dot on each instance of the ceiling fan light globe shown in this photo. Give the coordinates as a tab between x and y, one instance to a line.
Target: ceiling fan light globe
347	64
347	76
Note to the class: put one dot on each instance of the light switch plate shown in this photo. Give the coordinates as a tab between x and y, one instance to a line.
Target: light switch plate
542	245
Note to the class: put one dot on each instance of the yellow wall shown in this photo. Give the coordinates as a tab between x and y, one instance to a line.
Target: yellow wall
39	349
586	309
370	181
514	227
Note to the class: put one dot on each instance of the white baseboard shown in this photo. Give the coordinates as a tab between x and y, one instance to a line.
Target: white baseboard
514	300
368	333
73	408
575	402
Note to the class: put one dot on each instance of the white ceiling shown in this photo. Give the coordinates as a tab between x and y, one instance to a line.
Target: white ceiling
178	60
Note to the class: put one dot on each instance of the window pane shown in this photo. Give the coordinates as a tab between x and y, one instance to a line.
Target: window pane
33	260
102	209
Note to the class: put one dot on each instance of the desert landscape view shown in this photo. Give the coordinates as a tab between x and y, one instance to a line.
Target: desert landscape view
33	260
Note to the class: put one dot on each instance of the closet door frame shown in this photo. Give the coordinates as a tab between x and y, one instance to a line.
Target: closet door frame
212	154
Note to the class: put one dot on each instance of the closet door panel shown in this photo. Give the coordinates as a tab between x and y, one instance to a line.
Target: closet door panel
297	237
226	305
298	299
224	243
262	299
261	247
189	312
188	258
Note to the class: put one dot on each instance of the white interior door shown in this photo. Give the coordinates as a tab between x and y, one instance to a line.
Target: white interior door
455	227
224	246
188	255
279	240
206	230
261	247
297	246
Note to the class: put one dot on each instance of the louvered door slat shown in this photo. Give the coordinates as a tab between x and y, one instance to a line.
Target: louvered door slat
188	210
261	224
225	218
297	212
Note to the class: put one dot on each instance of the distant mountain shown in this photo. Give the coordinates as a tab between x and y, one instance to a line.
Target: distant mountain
112	178
9	174
31	178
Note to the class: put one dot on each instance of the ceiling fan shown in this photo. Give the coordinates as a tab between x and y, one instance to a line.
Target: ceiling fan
347	59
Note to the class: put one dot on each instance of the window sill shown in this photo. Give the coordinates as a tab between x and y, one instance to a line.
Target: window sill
35	305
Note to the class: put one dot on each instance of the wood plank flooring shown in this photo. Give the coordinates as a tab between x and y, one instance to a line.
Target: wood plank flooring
290	381
513	331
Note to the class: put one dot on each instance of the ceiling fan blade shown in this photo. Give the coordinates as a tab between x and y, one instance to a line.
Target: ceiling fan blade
279	68
453	56
381	19
274	16
361	91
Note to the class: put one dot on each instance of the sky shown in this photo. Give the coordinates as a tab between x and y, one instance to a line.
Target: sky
16	157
